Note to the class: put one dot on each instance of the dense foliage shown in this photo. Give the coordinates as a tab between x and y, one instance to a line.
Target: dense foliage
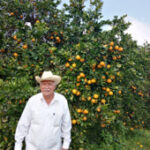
105	74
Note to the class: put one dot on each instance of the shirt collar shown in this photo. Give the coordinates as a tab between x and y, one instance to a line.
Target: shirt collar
53	100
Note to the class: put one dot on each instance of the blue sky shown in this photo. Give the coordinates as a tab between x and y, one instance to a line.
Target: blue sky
139	9
138	13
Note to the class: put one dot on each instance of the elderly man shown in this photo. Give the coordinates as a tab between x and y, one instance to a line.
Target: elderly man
45	122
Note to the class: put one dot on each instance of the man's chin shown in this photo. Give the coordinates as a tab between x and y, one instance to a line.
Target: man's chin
46	94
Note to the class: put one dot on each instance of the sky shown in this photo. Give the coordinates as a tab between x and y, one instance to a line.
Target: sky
137	11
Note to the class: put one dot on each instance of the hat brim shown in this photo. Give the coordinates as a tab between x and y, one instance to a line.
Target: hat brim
54	78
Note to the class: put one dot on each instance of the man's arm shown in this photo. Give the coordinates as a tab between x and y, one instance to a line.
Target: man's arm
66	128
22	127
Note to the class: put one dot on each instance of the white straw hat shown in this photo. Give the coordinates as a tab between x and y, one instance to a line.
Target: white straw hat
48	75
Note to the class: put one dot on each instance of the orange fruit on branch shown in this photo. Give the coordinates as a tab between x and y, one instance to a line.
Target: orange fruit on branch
78	57
24	46
109	81
103	101
74	121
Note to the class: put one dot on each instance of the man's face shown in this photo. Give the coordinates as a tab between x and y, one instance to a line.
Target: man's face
47	87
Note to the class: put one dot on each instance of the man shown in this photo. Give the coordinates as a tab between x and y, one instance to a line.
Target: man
45	120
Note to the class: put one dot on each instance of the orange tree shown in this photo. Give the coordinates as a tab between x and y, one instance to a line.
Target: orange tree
103	72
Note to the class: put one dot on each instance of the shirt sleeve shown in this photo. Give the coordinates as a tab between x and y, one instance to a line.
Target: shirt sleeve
66	128
22	127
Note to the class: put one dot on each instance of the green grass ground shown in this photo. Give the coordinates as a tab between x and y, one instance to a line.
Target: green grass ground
139	141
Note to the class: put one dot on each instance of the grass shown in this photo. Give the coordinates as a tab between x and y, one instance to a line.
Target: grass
140	140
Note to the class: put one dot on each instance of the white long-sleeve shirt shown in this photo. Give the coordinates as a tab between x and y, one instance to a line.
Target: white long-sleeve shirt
43	126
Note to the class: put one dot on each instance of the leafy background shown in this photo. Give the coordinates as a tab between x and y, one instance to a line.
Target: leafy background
105	74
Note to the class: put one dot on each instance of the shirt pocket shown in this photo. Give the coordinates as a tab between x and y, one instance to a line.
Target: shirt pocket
57	119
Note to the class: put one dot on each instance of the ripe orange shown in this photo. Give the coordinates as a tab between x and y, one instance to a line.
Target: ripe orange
103	88
131	129
133	87
120	49
93	80
111	43
79	110
89	82
104	57
103	77
74	91
108	66
109	81
85	80
102	63
74	65
74	121
93	101
107	89
103	125
15	37
95	96
78	93
19	40
77	84
15	54
37	21
33	39
118	57
103	101
114	58
116	47
70	59
106	94
118	73
93	66
67	65
85	111
98	109
119	92
89	98
110	93
21	16
83	98
51	37
78	77
84	118
82	60
58	39
78	80
20	101
112	77
24	46
110	48
118	111
99	66
78	57
82	75
12	14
